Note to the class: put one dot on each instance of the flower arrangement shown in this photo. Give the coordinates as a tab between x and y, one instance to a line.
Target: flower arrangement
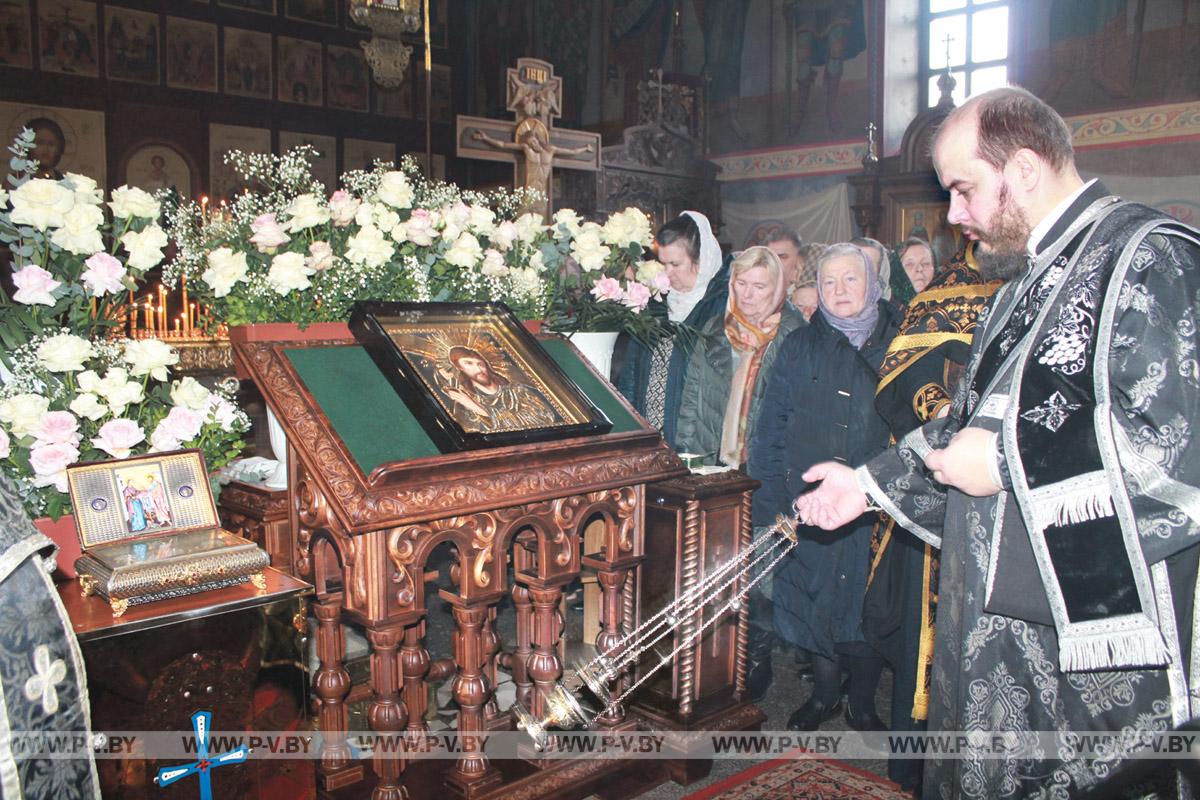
600	278
71	389
290	251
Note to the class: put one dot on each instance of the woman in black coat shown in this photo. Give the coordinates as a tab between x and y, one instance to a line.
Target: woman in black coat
819	406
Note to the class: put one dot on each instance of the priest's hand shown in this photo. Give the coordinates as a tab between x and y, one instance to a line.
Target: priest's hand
835	502
965	463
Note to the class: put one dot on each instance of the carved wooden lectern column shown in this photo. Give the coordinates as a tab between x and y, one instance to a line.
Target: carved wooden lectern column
514	517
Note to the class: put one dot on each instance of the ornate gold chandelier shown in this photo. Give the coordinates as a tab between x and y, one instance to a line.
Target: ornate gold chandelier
388	20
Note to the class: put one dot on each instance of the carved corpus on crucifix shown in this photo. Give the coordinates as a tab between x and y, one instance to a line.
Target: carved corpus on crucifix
531	142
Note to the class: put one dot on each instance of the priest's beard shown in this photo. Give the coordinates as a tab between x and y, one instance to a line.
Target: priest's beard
1004	256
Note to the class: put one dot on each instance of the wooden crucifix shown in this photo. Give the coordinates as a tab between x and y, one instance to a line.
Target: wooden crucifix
530	142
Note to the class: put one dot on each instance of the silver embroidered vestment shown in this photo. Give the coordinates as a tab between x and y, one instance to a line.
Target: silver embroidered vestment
998	664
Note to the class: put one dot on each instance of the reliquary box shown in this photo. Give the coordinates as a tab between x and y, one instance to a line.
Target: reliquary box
149	531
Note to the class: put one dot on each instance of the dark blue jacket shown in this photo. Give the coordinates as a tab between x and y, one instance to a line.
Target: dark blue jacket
633	377
819	406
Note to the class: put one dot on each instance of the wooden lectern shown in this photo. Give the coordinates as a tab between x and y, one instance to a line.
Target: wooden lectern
370	498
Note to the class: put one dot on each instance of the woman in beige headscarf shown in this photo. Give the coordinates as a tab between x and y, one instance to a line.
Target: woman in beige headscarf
722	390
722	379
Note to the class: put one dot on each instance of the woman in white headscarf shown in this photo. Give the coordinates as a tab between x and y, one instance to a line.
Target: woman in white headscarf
652	380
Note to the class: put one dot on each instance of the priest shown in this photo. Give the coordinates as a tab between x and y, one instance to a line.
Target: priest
1062	485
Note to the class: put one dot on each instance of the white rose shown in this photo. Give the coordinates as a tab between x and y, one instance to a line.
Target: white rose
3	198
493	263
223	412
225	269
130	201
288	273
627	227
23	413
647	271
529	226
150	357
5	445
365	215
537	261
41	203
526	283
80	231
395	190
86	191
504	235
190	393
383	217
465	252
587	249
369	247
88	405
568	219
64	353
481	220
118	390
145	247
306	211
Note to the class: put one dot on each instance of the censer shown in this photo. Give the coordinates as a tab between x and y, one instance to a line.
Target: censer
563	710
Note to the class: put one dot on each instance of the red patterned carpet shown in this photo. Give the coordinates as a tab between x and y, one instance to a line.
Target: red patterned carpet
808	778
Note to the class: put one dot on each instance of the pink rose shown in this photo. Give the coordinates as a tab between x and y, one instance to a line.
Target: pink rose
637	296
179	426
34	286
58	427
342	208
103	274
320	256
419	228
662	284
268	233
118	436
50	462
608	289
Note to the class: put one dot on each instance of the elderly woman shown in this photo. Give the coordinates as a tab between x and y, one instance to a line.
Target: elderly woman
652	380
819	406
916	256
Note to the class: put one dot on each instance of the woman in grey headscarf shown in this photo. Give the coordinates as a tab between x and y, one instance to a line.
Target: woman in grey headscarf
652	379
820	406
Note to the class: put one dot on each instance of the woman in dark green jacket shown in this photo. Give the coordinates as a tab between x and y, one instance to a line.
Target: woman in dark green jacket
652	379
726	371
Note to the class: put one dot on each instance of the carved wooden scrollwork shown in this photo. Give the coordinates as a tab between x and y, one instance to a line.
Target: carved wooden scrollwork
402	550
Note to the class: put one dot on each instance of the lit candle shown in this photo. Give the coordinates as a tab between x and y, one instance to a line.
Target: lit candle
147	319
131	315
204	209
192	318
183	285
160	315
178	322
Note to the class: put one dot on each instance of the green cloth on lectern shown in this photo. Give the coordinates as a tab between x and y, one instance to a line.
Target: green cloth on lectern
365	411
600	393
374	423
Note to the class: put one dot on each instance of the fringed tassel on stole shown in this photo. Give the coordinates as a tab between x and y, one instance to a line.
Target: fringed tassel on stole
1071	506
1092	651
